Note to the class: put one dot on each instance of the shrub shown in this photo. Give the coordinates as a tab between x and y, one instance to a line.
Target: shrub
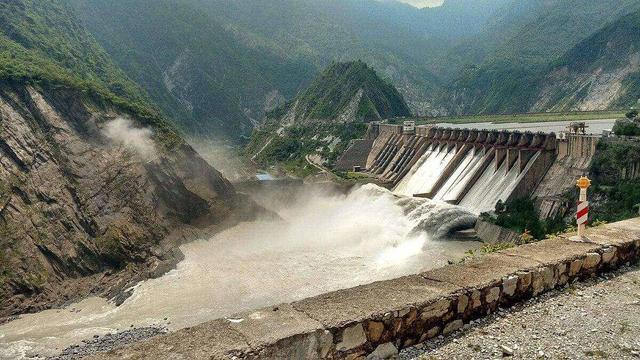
626	127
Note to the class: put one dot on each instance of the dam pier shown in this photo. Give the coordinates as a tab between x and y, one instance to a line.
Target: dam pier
468	167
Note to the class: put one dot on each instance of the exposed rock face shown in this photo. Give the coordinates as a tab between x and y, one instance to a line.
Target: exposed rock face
587	89
75	202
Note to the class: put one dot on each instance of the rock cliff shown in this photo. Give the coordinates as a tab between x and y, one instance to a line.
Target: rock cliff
92	197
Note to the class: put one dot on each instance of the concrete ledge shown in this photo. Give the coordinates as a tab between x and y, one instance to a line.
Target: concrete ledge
385	316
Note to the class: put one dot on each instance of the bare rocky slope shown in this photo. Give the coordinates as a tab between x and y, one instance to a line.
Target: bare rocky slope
599	73
93	198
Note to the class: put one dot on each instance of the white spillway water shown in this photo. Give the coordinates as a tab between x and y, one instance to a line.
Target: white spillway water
324	243
425	173
452	188
493	186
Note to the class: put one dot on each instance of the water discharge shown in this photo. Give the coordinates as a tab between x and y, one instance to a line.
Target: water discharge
453	187
325	242
494	185
426	172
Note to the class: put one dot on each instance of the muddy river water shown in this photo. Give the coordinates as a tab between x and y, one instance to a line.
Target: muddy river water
324	243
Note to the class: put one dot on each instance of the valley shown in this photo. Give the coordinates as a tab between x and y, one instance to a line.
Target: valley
302	179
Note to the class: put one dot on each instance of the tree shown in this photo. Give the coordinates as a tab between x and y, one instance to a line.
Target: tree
626	127
632	114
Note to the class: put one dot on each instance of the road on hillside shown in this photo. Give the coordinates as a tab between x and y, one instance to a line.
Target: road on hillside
596	319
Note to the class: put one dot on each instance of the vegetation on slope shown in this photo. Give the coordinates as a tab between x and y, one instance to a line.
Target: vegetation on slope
288	151
626	127
494	61
523	60
615	195
520	215
330	95
194	68
324	118
41	43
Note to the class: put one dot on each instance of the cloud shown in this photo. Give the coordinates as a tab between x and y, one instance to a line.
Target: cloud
122	132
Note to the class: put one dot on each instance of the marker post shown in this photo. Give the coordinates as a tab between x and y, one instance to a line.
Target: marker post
582	212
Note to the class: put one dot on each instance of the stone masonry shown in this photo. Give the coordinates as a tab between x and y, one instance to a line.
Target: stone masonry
374	321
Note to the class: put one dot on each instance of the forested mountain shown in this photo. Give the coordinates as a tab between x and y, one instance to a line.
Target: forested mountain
197	71
44	42
516	49
217	66
318	124
602	71
345	92
599	72
251	57
92	178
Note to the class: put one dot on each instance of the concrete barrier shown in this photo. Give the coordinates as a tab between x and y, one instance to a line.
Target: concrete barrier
493	234
385	316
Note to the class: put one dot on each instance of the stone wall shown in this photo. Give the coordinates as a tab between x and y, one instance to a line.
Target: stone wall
376	320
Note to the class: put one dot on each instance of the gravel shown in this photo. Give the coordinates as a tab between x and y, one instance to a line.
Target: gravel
595	319
108	342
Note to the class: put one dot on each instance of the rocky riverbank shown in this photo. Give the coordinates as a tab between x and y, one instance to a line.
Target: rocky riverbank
108	342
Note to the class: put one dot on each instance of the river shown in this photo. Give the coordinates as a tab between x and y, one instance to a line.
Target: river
324	242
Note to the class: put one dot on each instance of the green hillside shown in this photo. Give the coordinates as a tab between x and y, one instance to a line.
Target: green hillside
608	59
351	90
322	120
43	44
193	68
509	61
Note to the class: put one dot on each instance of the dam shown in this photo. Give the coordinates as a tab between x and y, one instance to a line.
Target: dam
471	168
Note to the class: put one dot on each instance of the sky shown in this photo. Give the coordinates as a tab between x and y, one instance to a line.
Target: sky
423	3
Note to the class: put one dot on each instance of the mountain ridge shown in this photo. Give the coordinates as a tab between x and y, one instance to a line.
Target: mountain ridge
345	92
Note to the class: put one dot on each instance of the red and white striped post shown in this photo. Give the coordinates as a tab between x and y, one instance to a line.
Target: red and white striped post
582	214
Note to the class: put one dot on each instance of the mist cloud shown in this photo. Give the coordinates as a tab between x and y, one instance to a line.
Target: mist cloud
122	132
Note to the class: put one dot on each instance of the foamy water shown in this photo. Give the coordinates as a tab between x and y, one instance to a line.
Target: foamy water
325	243
423	176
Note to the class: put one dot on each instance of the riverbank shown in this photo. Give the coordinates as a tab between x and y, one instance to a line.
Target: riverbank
107	342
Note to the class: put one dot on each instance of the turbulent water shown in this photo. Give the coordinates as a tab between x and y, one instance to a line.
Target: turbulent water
325	242
424	174
453	187
493	186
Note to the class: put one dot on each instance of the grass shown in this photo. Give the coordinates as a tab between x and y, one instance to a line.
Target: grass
519	118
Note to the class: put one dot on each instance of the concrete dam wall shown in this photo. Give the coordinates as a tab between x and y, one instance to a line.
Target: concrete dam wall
471	168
